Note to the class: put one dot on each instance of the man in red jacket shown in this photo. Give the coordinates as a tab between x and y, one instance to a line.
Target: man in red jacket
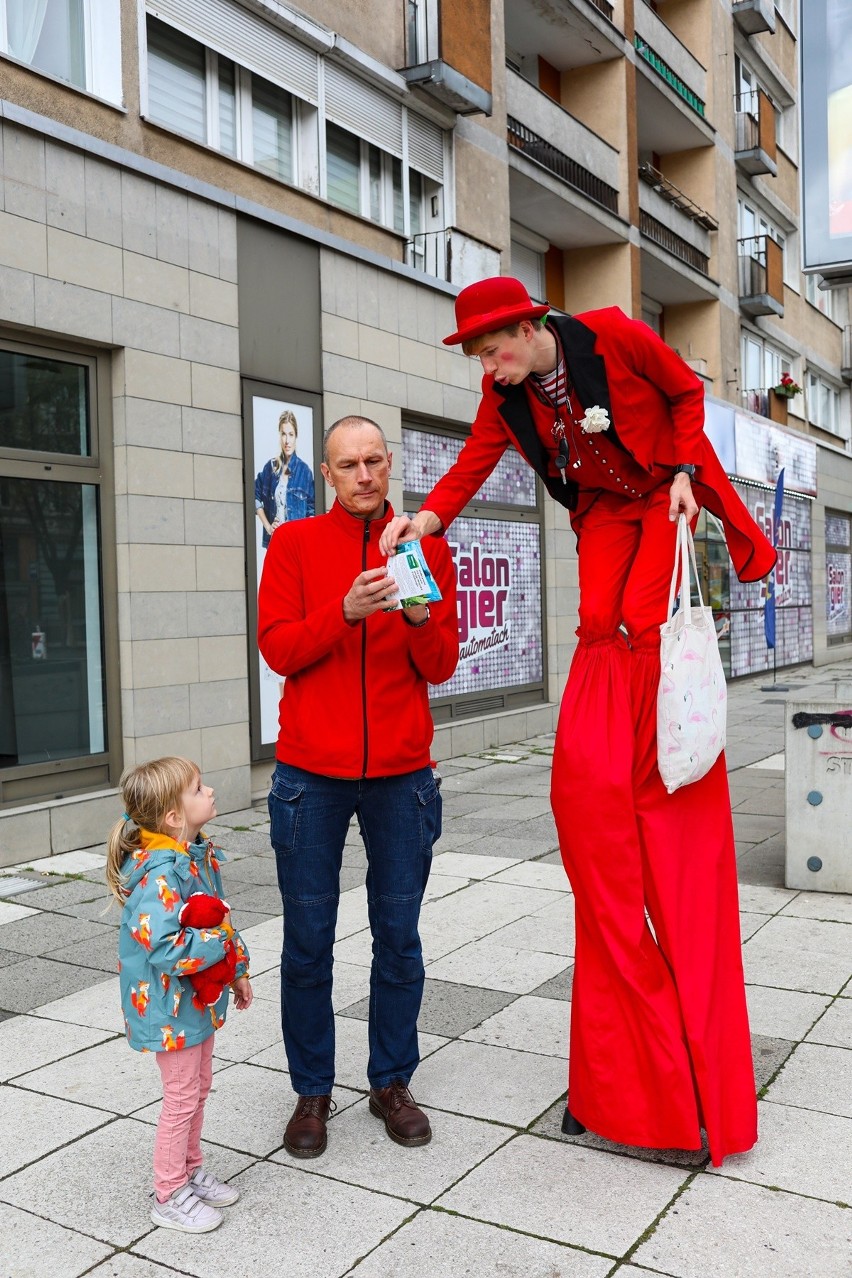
355	737
612	420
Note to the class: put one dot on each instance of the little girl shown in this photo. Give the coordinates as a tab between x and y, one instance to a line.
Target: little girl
157	858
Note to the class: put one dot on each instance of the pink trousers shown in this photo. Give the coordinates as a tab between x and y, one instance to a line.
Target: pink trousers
187	1076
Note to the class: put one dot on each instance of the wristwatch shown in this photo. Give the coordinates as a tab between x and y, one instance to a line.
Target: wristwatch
685	468
417	624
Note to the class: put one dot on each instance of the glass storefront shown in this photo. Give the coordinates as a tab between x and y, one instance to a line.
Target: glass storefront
497	549
838	576
52	681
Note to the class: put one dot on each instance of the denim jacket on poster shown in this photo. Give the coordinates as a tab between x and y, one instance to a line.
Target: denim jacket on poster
300	492
156	954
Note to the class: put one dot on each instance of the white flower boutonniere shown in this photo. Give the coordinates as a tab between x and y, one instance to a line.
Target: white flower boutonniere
595	420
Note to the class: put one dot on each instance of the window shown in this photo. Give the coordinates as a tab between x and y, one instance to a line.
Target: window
55	729
762	368
421	31
215	101
176	81
822	298
208	98
78	41
822	404
838	576
272	130
363	179
753	222
528	267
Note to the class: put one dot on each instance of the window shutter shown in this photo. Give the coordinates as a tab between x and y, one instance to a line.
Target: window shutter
176	89
247	39
362	109
425	147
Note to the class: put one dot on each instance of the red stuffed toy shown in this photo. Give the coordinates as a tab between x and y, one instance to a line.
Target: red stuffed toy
200	911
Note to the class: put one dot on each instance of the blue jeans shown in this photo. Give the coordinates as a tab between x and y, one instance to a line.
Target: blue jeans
400	819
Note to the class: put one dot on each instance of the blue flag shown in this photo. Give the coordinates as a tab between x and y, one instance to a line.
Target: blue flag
769	602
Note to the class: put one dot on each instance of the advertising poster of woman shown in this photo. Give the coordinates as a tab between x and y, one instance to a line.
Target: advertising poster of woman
283	434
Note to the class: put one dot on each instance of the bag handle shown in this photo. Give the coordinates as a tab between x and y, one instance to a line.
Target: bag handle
684	552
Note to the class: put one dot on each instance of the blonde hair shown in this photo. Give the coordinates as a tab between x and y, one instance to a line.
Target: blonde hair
287	418
148	792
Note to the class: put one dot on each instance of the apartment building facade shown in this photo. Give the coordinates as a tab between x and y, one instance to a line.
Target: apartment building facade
223	221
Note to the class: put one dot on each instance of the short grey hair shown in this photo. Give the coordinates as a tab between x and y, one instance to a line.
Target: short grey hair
354	419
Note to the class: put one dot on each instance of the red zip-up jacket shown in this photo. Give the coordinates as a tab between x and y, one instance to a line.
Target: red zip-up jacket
356	698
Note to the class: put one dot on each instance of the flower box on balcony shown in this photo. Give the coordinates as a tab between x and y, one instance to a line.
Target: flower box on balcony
778	407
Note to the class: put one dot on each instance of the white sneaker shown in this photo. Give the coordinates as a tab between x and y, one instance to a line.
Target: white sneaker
183	1211
210	1190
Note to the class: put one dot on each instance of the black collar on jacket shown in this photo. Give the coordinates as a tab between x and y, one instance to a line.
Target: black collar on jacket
587	373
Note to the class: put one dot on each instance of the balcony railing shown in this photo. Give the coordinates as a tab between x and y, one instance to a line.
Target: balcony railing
653	178
760	265
846	354
755	150
522	139
673	243
446	48
604	7
451	255
666	73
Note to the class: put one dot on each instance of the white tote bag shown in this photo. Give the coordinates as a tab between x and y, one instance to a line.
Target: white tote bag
692	701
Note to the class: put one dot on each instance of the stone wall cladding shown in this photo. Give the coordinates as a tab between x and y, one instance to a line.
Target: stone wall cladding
95	254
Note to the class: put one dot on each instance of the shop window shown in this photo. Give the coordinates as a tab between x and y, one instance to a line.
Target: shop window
55	729
497	549
838	576
78	41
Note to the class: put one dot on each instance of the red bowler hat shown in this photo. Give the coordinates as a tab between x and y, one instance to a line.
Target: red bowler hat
491	304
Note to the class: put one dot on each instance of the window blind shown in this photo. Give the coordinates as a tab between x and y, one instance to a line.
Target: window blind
362	109
238	34
343	168
426	147
176	92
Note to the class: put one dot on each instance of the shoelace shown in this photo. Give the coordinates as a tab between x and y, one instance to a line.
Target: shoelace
400	1096
311	1107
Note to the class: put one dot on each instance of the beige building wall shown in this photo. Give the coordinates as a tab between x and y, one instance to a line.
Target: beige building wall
146	275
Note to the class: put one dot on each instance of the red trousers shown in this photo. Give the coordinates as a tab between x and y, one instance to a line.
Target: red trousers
660	1042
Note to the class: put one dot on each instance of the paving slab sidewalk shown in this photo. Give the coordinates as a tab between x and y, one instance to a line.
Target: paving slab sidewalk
499	1191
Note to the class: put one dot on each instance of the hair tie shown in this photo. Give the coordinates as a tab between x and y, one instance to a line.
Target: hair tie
126	816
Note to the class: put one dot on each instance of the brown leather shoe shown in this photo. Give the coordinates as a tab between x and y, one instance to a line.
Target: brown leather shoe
305	1134
404	1121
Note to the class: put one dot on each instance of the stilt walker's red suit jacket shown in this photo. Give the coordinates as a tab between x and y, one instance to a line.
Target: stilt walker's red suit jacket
656	407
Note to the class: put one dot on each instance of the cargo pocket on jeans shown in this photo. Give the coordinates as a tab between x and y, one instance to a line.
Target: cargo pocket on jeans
430	806
285	802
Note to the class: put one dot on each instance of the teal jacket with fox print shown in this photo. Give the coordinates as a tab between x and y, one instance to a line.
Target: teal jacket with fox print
161	1011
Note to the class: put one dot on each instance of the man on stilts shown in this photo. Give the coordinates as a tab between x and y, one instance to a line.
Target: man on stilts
612	420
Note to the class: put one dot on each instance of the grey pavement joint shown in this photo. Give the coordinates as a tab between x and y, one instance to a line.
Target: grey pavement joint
500	1190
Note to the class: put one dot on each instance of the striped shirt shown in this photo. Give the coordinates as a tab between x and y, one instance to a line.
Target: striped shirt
554	383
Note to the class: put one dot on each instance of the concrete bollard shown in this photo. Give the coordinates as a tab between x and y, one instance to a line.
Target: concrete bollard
818	794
